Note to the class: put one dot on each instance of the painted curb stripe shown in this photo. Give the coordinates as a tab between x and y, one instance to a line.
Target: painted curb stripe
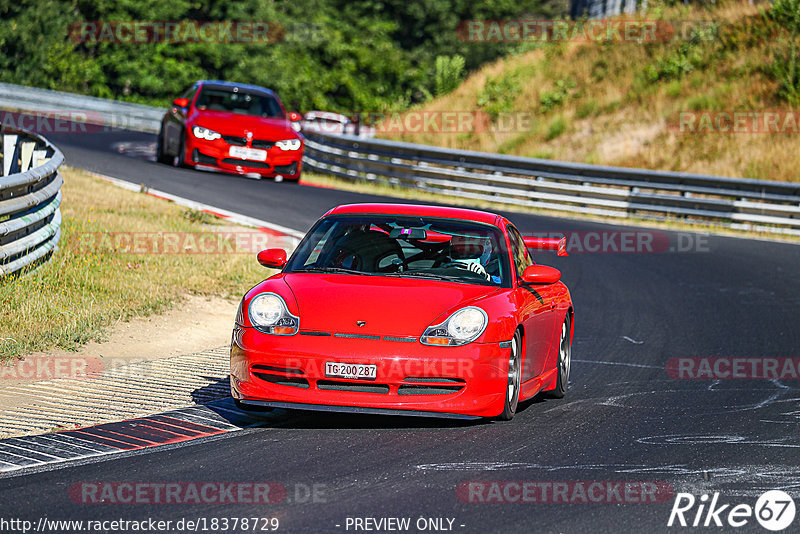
176	426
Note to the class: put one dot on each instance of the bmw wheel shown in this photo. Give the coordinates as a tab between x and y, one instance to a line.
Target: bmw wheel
161	157
179	160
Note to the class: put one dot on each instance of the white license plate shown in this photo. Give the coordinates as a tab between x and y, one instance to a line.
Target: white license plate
242	152
351	370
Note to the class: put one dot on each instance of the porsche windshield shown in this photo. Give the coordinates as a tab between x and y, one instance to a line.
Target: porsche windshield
233	100
409	247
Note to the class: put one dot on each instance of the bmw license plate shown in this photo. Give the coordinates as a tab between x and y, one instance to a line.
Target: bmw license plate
351	370
243	152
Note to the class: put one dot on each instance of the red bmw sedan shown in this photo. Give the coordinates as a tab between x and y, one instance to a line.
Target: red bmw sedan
231	127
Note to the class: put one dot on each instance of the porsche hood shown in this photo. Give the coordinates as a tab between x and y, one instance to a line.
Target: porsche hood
368	305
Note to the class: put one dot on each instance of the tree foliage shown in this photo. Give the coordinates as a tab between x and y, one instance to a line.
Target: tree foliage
337	54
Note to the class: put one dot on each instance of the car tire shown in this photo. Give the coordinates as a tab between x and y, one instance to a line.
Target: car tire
514	379
161	157
563	363
179	160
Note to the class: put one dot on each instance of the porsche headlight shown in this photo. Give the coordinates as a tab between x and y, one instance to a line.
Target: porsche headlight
289	144
269	314
463	327
205	133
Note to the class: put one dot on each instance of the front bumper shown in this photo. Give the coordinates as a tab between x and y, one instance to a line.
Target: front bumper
412	378
216	155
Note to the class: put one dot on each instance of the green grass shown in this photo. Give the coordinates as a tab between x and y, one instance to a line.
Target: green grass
557	127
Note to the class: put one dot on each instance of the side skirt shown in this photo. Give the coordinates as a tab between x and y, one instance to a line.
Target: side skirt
544	382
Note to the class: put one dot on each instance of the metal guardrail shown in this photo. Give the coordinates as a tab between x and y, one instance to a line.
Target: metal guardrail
30	196
598	9
98	111
617	192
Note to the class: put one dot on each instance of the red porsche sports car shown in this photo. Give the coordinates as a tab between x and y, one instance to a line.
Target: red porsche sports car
401	309
236	128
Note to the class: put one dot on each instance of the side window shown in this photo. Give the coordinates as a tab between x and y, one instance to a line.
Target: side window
521	257
189	93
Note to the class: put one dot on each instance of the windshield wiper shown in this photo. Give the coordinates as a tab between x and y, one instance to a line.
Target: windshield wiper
335	270
433	276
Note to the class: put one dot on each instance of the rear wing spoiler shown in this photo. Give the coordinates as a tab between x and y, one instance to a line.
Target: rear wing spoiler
547	243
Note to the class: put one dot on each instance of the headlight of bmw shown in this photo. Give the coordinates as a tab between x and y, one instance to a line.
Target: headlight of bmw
269	314
289	144
462	327
205	133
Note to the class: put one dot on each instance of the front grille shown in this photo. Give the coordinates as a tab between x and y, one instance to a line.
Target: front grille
438	385
287	169
400	339
276	369
437	379
283	380
246	163
357	336
350	386
427	390
233	140
312	333
261	143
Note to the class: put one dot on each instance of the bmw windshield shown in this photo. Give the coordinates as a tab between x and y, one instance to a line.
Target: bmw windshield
408	247
235	100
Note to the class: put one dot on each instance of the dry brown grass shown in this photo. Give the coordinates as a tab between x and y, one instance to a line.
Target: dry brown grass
85	288
616	115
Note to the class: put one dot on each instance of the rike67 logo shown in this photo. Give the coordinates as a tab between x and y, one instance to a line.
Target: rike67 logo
774	510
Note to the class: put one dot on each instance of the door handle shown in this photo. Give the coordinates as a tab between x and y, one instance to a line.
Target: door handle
553	304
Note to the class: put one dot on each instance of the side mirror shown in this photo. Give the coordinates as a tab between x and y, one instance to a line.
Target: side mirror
274	258
294	116
181	102
541	274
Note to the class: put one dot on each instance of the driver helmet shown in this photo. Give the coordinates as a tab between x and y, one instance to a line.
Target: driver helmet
471	248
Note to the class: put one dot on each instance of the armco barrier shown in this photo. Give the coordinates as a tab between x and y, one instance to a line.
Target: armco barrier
30	196
99	111
563	186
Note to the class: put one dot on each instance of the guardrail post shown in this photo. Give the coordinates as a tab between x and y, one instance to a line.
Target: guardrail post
26	155
39	157
9	154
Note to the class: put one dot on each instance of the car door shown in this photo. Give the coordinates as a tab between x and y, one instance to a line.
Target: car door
536	310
